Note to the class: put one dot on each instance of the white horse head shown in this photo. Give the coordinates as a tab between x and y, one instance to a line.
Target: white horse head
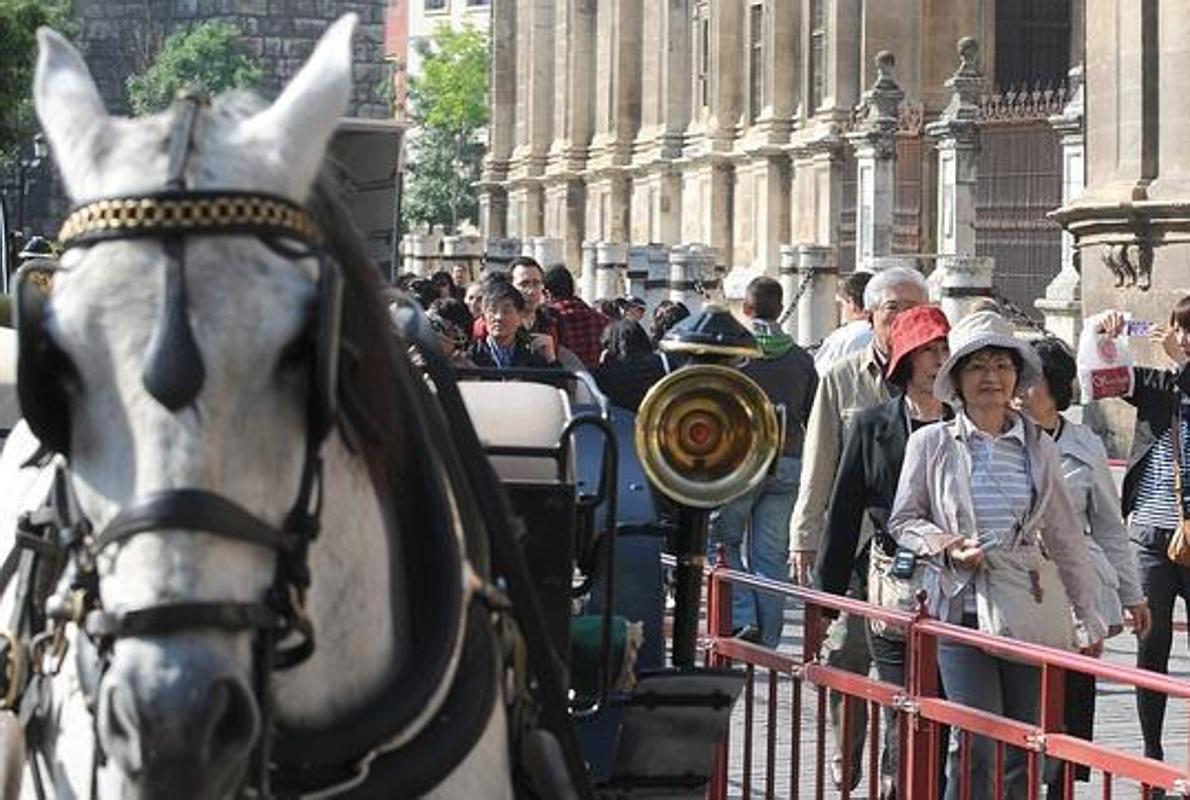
179	710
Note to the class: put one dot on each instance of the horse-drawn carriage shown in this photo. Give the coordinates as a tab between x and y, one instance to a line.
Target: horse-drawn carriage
251	547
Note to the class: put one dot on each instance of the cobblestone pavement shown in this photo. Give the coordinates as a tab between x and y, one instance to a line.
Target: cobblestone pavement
1115	724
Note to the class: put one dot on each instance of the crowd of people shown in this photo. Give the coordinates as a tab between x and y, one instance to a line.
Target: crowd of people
531	317
918	456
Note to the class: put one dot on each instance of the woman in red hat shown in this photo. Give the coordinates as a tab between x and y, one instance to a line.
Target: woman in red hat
866	484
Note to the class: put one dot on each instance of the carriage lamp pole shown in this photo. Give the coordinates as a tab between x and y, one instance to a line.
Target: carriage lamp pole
691	546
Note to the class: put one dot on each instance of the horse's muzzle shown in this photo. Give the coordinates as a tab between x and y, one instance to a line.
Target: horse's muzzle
176	715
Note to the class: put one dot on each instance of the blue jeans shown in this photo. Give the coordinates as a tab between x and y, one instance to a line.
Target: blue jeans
974	678
764	514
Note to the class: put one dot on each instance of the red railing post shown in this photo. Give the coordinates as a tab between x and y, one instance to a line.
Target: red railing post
1051	717
718	626
919	752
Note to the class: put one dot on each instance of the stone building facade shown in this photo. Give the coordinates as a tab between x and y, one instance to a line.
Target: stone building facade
725	122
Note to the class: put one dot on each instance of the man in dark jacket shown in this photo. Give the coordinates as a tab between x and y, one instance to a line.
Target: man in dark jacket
786	373
506	343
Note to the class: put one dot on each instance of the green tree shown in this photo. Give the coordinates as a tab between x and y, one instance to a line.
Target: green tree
449	107
19	21
203	57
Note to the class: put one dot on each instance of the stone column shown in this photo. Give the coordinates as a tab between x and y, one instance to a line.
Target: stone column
1062	304
588	278
657	282
574	96
817	314
665	113
637	275
611	259
502	100
963	281
875	144
689	266
957	140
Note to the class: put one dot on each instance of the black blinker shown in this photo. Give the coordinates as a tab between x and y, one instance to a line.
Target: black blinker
174	372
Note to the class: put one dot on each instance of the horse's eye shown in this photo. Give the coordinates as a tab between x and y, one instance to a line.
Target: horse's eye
296	354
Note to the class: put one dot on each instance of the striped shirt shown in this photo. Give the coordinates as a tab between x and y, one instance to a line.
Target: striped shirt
1155	503
1001	486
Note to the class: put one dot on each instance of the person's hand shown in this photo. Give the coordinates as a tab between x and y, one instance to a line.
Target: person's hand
1094	649
966	553
543	345
1142	618
1166	337
1111	323
801	566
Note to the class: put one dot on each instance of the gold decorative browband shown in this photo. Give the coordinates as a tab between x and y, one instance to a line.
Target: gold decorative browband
188	213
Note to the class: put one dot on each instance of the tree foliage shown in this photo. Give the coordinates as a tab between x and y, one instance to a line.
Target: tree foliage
448	100
204	57
19	21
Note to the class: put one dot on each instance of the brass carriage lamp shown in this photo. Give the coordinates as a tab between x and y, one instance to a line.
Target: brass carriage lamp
705	434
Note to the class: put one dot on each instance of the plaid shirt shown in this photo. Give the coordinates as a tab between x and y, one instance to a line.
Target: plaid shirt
580	329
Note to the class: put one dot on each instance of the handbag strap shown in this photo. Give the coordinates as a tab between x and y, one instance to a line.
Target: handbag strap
1175	435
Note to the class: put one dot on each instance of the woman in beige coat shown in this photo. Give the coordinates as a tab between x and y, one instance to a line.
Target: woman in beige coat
981	497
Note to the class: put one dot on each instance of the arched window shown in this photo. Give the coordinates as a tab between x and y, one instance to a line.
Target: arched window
1032	43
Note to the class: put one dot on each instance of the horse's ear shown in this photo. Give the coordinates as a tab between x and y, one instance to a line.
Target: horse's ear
67	102
300	123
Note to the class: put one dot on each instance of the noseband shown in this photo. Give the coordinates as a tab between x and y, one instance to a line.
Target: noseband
173	374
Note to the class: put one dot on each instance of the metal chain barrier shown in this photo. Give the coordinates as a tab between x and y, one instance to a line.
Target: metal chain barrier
1019	316
791	306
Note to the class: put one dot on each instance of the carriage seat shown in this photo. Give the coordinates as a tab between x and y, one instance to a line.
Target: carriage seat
521	414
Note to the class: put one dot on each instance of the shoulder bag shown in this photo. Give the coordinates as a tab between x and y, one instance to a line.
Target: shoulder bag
1020	595
893	583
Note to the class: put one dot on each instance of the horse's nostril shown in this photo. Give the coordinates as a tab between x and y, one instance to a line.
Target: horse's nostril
195	722
233	718
118	724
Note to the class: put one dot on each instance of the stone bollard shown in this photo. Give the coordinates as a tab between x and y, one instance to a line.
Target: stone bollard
500	253
408	263
657	280
423	249
545	250
817	313
611	261
464	253
787	274
587	277
963	281
689	267
637	274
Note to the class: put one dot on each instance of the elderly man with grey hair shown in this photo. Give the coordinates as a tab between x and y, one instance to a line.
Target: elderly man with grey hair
851	385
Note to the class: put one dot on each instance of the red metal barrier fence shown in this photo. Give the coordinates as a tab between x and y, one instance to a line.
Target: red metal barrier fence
921	713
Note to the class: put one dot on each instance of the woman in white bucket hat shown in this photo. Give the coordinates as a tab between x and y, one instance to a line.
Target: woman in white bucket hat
981	498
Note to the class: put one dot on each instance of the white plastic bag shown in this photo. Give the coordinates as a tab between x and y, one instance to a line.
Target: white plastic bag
1104	363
